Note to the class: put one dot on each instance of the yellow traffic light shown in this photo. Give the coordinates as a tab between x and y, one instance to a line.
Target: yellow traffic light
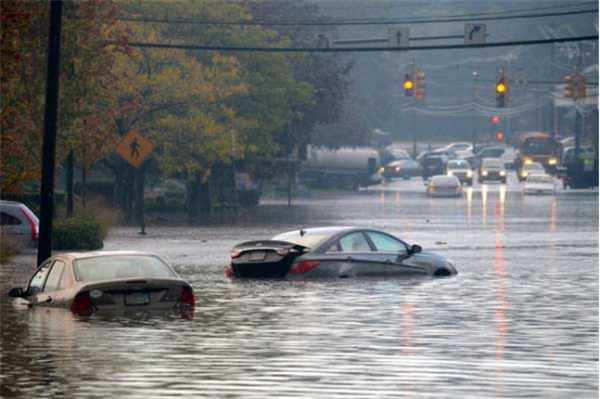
581	93
501	88
408	85
570	87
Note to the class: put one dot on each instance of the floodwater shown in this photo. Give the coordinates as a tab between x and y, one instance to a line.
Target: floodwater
519	321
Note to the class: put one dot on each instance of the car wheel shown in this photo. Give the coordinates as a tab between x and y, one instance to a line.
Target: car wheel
442	272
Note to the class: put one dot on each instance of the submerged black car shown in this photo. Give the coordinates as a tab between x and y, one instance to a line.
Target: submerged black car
334	252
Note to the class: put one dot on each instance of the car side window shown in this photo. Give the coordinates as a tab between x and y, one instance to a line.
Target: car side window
36	285
385	243
8	220
55	280
354	242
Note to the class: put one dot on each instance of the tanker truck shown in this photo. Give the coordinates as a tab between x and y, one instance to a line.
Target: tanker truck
344	168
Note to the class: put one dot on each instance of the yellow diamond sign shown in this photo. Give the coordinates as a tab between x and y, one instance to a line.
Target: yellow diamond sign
134	148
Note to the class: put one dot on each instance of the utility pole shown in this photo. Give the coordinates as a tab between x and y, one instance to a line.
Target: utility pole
49	143
474	127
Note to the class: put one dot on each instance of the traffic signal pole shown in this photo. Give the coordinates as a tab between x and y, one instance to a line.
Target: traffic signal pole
49	143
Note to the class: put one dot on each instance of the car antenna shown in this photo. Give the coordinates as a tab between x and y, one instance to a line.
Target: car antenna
302	232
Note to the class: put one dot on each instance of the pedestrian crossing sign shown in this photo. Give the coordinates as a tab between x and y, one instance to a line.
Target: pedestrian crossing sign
134	148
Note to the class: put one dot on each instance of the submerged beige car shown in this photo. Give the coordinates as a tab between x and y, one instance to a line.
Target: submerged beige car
107	281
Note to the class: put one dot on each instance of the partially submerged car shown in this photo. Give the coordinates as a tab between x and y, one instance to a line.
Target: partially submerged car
539	184
334	252
106	281
461	169
444	186
492	169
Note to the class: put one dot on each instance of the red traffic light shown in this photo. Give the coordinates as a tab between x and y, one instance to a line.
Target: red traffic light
495	119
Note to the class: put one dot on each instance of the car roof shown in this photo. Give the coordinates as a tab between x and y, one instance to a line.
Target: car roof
533	164
13	203
95	254
322	230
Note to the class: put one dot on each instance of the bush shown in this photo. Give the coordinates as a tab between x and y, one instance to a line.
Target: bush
98	210
77	234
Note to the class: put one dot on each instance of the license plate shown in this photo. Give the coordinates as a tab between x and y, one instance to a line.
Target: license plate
258	255
137	299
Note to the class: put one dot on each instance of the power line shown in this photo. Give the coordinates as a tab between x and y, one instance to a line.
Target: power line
347	23
357	49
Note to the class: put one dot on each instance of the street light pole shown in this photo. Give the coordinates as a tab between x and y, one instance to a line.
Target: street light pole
49	143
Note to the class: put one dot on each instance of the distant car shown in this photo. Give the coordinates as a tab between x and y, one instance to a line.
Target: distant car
509	158
334	252
404	169
539	184
89	282
487	152
399	153
528	169
492	169
432	165
453	148
444	186
461	169
19	223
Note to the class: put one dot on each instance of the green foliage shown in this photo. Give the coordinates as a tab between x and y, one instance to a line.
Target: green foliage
77	234
249	198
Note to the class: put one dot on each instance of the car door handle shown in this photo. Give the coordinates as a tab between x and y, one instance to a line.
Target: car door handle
49	299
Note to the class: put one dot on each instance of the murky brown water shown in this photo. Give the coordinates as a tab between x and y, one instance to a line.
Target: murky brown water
519	321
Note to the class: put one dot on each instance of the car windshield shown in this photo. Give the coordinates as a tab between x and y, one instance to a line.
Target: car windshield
122	266
458	165
539	147
492	163
444	180
540	179
308	240
533	166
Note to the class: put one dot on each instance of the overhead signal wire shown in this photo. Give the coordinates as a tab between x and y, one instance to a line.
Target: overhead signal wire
348	23
357	49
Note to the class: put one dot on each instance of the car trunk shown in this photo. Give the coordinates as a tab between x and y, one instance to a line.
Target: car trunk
264	259
135	293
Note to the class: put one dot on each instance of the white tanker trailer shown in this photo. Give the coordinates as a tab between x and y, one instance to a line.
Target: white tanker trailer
344	168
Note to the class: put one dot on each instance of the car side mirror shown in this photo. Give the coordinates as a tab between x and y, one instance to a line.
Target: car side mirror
415	249
16	293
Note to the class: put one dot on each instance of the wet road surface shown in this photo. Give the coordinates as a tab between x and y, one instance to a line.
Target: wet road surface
519	321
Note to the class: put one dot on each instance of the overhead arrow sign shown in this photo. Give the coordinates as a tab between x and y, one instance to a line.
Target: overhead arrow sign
474	34
398	37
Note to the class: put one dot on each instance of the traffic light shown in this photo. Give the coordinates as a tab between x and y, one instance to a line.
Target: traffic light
420	85
408	85
501	90
499	136
580	89
495	119
570	87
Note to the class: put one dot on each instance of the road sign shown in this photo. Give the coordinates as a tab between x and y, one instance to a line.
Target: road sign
324	40
134	148
398	37
474	34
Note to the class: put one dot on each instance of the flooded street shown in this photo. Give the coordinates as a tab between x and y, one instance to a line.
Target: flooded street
519	321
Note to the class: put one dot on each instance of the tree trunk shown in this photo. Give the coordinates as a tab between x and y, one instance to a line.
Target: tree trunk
83	185
130	189
70	178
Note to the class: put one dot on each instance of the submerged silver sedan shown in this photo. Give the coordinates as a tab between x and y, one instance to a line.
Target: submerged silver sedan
107	281
334	252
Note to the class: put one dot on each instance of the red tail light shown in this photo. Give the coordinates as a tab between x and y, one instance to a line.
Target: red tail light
35	234
82	304
229	271
303	267
234	254
187	297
